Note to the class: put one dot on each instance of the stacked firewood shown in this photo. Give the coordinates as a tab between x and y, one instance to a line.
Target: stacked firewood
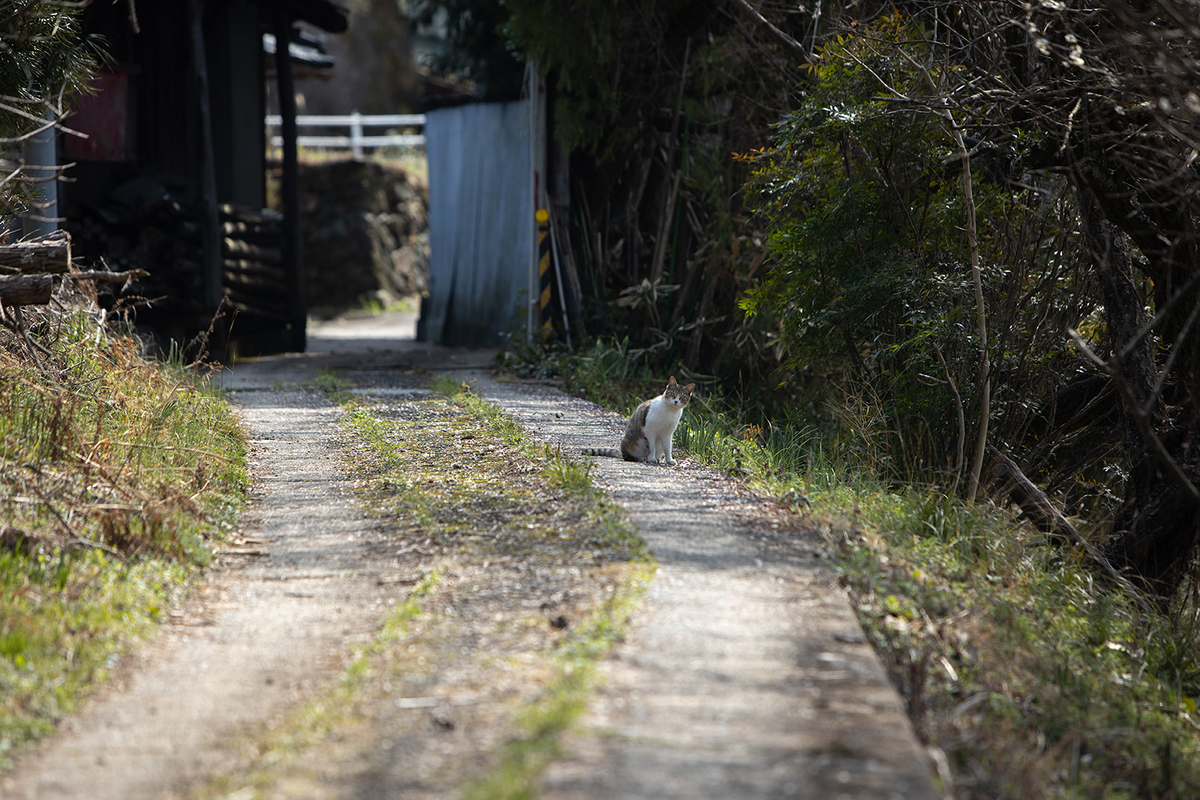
164	238
161	237
29	270
252	261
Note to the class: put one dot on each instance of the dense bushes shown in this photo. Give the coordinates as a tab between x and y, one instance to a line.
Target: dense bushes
861	192
918	206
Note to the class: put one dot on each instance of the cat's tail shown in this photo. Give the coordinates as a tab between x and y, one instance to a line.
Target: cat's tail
608	452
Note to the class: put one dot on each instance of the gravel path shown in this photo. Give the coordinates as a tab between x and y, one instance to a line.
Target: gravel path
273	621
302	583
744	675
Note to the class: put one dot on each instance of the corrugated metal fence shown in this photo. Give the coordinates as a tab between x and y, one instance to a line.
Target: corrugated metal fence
480	228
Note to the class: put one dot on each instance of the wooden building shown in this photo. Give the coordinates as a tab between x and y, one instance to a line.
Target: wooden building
172	176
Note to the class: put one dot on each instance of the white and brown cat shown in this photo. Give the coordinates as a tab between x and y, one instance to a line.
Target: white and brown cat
651	426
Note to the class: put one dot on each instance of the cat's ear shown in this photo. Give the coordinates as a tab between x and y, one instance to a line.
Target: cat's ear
672	381
691	387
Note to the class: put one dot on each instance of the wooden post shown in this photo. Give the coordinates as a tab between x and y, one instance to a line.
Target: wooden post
210	231
535	89
356	136
289	187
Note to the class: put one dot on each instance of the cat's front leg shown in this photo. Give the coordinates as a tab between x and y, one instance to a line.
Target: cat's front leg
670	462
651	451
655	451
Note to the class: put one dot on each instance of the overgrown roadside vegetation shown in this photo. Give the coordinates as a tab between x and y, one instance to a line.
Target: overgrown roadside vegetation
903	239
524	576
1026	674
118	474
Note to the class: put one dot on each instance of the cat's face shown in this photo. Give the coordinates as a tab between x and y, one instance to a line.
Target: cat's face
678	395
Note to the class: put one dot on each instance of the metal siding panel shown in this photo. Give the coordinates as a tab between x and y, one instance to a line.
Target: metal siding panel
104	117
480	233
443	146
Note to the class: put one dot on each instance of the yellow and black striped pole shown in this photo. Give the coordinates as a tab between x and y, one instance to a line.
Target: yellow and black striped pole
544	274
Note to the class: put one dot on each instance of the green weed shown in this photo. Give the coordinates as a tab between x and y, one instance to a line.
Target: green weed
116	474
569	475
315	719
560	470
545	719
589	530
1034	678
333	384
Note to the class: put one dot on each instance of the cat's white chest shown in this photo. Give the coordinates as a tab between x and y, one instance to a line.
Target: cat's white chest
662	417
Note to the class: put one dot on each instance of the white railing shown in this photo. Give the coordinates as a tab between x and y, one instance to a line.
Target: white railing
357	141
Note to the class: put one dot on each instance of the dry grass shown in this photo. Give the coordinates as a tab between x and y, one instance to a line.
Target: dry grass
115	474
1028	676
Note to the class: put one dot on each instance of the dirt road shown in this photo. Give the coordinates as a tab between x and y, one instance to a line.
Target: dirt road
743	675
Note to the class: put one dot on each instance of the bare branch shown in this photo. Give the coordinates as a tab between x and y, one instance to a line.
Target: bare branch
107	277
1115	369
781	37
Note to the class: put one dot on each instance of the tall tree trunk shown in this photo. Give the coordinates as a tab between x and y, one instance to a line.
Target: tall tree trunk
1154	533
981	322
1124	311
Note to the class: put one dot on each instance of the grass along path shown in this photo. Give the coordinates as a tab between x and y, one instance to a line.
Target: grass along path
117	476
1024	673
522	575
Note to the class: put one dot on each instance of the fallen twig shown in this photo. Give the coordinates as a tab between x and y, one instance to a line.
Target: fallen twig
108	277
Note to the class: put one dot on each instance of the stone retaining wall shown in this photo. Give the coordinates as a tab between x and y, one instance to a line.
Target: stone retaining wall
366	233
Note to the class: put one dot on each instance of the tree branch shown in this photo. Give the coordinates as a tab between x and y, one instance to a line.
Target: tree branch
1169	464
779	36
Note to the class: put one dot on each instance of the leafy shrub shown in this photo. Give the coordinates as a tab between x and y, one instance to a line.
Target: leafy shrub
861	199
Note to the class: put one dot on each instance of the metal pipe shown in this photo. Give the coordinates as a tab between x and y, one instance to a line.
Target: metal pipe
41	166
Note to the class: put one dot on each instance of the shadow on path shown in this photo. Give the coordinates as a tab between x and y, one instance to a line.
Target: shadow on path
745	674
